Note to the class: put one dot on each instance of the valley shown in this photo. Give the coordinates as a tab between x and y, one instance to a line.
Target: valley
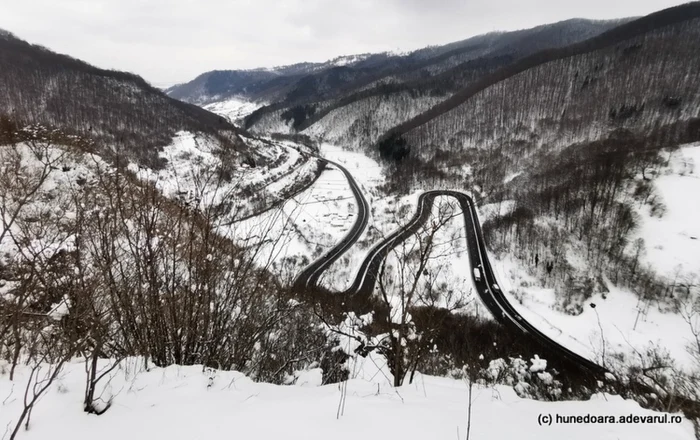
499	228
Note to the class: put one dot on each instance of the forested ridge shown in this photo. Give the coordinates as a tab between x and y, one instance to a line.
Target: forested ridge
438	72
338	79
120	110
628	31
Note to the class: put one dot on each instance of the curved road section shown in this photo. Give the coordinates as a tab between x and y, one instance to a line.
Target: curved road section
486	284
308	278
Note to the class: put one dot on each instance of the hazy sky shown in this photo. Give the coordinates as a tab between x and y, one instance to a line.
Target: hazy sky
170	41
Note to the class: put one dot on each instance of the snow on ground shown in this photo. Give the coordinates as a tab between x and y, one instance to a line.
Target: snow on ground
368	175
306	225
234	109
446	280
673	240
492	210
328	208
191	173
627	325
301	228
196	403
366	171
65	172
388	213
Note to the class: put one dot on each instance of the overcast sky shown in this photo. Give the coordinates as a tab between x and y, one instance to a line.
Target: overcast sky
171	41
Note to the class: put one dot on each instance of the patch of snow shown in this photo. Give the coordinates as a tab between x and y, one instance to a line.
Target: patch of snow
59	310
538	364
234	109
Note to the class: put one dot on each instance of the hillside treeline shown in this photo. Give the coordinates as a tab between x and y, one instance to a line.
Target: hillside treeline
119	110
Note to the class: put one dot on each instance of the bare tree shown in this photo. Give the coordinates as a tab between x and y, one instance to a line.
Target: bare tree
407	280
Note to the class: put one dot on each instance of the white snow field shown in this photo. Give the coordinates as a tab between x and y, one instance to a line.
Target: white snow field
304	226
194	403
234	109
673	240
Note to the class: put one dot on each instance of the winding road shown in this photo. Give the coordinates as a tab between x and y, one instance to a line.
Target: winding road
487	286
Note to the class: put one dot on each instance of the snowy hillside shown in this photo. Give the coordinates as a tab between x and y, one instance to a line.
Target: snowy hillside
624	321
112	108
234	109
621	324
198	172
526	203
672	240
195	402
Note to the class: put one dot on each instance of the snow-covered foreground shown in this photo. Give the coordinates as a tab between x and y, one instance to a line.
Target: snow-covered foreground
189	403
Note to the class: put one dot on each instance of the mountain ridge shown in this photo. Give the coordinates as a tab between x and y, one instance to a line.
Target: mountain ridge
278	83
120	110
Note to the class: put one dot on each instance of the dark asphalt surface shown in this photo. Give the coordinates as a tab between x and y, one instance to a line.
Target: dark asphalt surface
487	287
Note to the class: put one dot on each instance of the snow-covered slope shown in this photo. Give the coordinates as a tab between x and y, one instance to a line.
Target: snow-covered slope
360	124
196	403
672	240
197	171
234	109
624	320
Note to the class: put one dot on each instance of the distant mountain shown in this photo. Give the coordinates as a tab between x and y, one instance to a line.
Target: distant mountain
400	105
641	75
308	82
119	110
261	83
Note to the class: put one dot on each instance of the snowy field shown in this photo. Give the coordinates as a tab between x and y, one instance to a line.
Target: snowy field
303	227
627	326
446	279
234	109
673	241
192	403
